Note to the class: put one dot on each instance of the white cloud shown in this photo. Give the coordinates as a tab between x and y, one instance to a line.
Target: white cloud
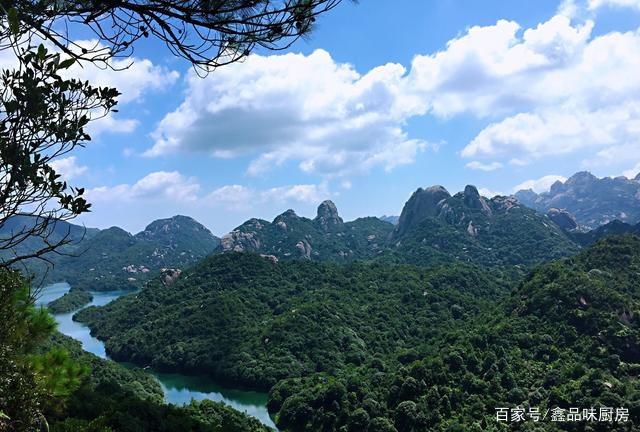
597	4
488	193
557	131
156	186
484	166
173	186
540	185
632	172
133	76
110	124
68	168
305	193
550	89
309	109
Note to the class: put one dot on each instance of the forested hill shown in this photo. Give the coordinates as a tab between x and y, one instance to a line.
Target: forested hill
115	259
434	228
250	322
402	348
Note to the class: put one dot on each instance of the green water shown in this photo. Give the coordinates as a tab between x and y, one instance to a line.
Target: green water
178	388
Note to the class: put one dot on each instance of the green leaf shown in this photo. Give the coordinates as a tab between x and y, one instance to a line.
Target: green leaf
14	22
42	52
4	416
65	64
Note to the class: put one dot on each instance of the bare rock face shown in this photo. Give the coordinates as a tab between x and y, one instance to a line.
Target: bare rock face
422	204
471	229
168	275
473	200
327	217
239	241
272	258
305	248
563	219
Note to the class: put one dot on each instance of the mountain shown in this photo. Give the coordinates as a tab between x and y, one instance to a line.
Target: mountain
370	346
53	232
436	227
591	200
391	219
326	237
115	259
613	228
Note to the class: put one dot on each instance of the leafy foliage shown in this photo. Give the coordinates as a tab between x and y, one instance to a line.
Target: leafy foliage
42	117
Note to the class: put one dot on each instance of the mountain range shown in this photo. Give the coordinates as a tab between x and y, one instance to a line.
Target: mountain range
591	200
434	227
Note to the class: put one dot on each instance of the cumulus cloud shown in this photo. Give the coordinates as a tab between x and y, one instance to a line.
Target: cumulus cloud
586	99
132	76
632	172
557	131
488	193
156	186
242	197
309	109
597	4
68	168
540	185
172	186
546	90
484	166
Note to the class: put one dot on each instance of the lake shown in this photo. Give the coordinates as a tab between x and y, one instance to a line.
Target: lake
178	388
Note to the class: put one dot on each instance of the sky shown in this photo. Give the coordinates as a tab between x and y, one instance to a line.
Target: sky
383	97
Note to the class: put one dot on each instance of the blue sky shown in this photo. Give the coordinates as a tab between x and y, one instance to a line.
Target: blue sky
385	97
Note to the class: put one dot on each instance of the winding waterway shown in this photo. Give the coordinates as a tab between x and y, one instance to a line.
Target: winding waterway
178	389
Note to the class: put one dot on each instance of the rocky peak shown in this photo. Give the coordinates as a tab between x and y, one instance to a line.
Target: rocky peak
562	218
422	204
637	177
472	199
286	216
580	178
328	217
556	188
526	197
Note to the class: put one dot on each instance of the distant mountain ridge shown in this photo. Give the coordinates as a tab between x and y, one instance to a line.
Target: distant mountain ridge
326	237
433	228
591	200
115	259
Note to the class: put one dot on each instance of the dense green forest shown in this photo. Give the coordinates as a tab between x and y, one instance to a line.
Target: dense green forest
250	322
373	347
